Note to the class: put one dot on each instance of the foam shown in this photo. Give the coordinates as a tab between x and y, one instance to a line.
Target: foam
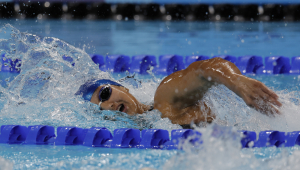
5	164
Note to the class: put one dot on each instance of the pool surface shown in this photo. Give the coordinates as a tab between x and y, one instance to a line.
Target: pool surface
43	93
159	38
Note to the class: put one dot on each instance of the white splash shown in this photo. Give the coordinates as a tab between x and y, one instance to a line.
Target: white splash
5	164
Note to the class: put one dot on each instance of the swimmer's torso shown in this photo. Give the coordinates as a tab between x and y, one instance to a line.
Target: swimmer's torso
179	97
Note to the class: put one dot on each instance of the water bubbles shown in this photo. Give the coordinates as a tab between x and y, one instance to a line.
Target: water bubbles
209	78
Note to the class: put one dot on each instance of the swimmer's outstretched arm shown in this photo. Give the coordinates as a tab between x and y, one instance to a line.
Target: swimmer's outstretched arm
184	88
253	92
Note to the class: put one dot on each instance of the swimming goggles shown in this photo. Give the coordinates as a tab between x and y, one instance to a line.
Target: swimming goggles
104	94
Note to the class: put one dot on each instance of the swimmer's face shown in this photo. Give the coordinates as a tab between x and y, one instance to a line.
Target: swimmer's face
120	100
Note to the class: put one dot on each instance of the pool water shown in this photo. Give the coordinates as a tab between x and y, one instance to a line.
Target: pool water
181	38
43	93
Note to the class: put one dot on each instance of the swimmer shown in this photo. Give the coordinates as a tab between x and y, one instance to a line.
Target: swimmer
179	95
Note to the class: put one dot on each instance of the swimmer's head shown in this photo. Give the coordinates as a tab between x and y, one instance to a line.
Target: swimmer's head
110	95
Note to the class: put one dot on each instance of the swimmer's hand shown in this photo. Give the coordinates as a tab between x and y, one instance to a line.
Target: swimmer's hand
257	95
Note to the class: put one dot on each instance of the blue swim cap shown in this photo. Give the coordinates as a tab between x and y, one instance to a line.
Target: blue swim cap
87	89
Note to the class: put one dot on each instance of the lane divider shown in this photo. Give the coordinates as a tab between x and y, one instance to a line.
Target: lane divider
97	137
167	64
133	138
270	138
171	63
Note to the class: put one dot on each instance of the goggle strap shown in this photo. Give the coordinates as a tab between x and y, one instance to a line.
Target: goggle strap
100	104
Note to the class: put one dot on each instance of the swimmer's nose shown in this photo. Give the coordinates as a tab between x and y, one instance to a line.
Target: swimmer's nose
111	106
107	105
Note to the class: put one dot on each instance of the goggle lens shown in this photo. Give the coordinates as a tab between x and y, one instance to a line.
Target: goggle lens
104	93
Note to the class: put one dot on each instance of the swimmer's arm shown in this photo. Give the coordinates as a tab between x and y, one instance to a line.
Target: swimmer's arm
179	88
253	92
216	71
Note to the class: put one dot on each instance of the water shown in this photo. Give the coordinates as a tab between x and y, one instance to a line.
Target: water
182	38
43	93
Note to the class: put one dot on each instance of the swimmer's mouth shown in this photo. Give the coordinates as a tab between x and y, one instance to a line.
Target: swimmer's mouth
121	108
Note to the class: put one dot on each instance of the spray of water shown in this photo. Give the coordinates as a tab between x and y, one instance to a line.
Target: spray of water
5	164
43	93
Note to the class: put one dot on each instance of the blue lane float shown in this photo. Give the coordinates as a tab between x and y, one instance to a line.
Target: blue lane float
70	136
97	137
154	138
142	63
249	64
13	134
181	135
270	138
117	63
295	67
276	65
248	138
133	138
168	64
125	138
40	135
292	139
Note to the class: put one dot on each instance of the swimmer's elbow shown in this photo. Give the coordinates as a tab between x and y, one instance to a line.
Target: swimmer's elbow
215	65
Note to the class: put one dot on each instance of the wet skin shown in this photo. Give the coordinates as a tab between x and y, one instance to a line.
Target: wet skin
179	95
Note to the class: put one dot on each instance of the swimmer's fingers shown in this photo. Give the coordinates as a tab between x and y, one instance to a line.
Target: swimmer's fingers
262	103
258	96
267	104
268	98
266	108
273	97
